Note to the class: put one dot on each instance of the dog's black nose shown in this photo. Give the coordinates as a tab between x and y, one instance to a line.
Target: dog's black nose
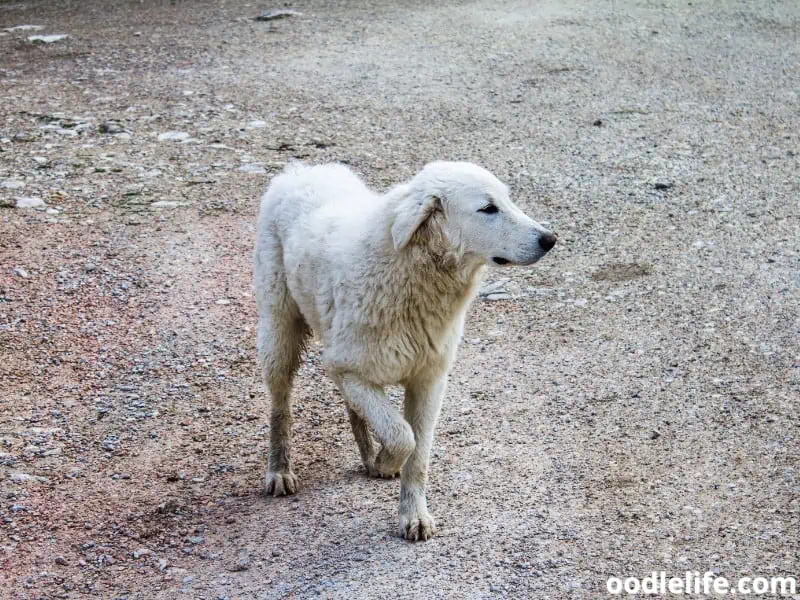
547	241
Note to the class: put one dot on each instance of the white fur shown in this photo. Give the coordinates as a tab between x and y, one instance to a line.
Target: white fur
384	281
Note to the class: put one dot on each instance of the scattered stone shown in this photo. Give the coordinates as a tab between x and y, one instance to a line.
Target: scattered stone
12	184
60	560
197	539
66	132
7	202
655	434
20	272
253	169
243	564
256	124
110	127
494	287
163	563
141	552
89	267
29	202
26	478
280	13
173	136
24	28
133	190
24	136
47	39
663	185
495	297
167	204
223	302
41	161
598	123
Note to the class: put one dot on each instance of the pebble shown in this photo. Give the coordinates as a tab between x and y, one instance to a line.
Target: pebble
663	185
47	39
26	478
256	124
24	28
141	552
30	202
111	127
167	204
12	184
163	563
253	169
60	560
494	297
19	272
274	15
223	302
173	136
243	564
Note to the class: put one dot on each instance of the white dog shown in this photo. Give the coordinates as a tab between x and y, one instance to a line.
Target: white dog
385	282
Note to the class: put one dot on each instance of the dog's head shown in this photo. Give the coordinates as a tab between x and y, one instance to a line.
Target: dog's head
469	209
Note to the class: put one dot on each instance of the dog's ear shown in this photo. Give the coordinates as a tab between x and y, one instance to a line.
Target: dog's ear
410	215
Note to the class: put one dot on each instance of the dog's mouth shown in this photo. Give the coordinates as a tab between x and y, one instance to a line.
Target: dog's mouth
500	261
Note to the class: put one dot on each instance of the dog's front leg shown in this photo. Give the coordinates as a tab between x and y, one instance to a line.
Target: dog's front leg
422	403
369	403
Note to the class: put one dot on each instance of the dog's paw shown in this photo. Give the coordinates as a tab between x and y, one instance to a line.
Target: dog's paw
387	465
281	484
417	526
374	471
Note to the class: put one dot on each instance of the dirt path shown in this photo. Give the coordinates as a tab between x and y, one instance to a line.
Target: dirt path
630	405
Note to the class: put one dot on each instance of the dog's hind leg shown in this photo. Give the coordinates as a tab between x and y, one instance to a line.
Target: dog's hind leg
280	344
281	336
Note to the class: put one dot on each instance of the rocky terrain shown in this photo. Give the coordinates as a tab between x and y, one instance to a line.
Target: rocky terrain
628	405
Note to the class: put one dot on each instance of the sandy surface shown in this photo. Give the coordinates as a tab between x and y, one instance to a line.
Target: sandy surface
630	404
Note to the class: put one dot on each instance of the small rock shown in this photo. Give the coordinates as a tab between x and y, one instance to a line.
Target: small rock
167	204
663	185
111	127
20	272
141	552
173	136
41	161
598	123
24	136
494	287
197	539
243	564
223	302
495	297
256	124
162	564
89	267
133	190
253	169
60	560
274	15
12	184
655	434
29	202
24	28
47	39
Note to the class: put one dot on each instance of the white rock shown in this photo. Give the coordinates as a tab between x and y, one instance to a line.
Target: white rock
173	136
494	297
26	478
494	287
12	184
47	39
223	301
141	552
253	169
30	202
24	28
256	124
167	204
20	272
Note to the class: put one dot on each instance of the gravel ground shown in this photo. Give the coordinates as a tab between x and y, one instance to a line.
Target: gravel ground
628	405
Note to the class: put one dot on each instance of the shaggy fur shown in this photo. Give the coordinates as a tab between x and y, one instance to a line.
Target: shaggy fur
385	282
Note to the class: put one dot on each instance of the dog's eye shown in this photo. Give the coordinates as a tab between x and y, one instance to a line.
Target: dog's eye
489	209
